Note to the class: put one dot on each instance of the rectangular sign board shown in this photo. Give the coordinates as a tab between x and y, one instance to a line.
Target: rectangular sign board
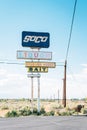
40	64
34	75
38	69
37	55
35	39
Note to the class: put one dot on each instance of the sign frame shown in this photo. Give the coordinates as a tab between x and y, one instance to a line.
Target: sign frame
37	69
35	39
40	64
34	55
33	75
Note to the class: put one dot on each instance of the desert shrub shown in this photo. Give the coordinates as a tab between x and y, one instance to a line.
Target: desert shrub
42	111
67	113
68	109
46	114
84	111
13	113
60	107
51	113
85	100
78	108
35	111
25	112
73	112
5	108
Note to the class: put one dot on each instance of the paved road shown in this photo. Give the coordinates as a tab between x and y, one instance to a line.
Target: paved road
44	123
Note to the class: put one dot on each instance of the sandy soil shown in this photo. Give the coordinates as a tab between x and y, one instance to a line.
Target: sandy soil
14	104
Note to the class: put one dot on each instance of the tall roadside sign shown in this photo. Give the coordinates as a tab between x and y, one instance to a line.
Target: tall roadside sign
36	40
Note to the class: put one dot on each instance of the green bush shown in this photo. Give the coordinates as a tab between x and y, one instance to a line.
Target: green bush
25	112
13	113
42	111
68	113
51	113
35	111
84	111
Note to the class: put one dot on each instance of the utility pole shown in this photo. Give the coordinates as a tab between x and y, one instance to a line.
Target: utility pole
64	85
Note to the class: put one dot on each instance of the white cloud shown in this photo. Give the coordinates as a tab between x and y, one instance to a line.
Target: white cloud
77	84
18	85
12	85
84	65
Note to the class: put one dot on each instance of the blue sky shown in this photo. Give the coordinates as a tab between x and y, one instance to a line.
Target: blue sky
53	16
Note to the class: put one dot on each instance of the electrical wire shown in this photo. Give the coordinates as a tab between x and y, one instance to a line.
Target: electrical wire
14	63
70	34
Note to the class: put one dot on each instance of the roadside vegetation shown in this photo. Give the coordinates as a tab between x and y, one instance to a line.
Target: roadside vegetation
22	107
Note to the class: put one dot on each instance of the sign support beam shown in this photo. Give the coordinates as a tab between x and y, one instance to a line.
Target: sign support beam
38	101
32	94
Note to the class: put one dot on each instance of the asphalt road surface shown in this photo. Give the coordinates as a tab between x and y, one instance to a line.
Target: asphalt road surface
44	123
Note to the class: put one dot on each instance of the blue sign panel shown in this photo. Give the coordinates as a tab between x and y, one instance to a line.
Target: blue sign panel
35	39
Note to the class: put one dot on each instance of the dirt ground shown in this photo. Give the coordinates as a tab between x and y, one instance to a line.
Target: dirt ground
49	105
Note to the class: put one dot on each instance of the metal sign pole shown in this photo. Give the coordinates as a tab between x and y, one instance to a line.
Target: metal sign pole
32	94
38	101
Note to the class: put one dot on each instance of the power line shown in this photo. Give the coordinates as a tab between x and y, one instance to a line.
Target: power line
71	29
13	63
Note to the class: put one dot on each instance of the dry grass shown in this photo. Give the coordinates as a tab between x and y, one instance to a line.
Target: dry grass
57	107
